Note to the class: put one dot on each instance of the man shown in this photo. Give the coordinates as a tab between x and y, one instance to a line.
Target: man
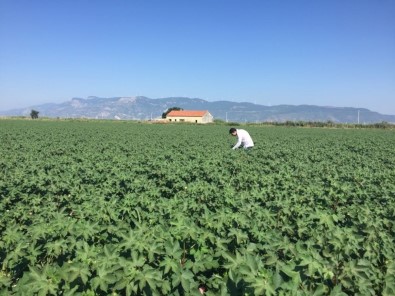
244	138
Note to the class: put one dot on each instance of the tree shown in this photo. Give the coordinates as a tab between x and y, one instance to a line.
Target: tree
34	114
164	114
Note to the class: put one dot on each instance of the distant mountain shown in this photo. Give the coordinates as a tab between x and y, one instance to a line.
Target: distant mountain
143	108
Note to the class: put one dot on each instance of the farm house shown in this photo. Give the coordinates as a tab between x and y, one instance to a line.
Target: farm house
194	116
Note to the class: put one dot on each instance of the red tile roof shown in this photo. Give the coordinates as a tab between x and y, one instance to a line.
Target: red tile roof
186	113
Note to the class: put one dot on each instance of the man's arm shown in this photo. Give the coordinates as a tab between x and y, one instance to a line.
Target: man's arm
238	142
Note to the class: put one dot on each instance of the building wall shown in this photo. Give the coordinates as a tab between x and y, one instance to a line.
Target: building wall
205	119
185	119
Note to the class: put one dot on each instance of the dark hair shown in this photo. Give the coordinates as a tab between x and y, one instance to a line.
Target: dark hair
232	130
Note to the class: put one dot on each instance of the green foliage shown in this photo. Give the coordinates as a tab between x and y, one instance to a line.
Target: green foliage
109	208
327	124
34	114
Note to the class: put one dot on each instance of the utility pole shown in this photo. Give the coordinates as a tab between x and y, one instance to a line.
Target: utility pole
245	120
358	116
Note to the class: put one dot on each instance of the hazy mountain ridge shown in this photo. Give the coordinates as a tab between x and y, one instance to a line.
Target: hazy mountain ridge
143	108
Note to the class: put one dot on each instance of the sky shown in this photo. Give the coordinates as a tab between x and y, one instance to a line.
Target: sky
328	53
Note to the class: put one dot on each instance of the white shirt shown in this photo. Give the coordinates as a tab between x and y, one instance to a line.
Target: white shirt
243	138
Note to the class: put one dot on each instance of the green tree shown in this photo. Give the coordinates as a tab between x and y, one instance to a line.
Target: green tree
34	114
164	114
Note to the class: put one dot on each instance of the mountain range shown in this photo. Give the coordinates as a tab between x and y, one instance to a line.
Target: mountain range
143	108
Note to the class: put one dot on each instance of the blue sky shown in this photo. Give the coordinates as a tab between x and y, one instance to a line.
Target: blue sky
327	52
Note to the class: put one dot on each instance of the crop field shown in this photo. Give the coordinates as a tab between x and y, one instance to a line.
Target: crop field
122	208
